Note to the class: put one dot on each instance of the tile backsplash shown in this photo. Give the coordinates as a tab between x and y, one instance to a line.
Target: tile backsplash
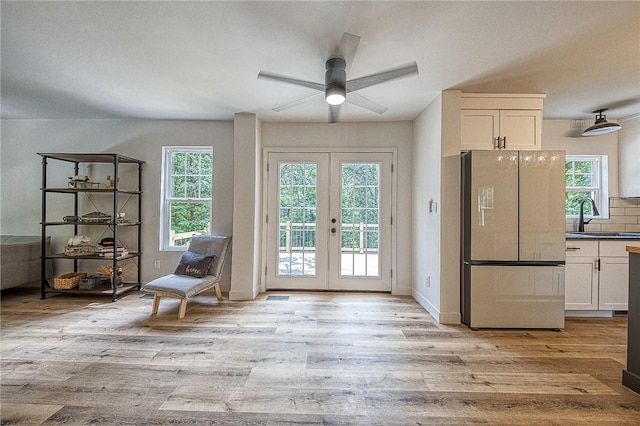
624	216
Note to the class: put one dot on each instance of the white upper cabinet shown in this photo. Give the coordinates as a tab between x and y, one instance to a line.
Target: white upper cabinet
499	121
629	156
480	129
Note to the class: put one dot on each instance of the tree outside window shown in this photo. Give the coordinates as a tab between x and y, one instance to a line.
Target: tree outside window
582	179
187	194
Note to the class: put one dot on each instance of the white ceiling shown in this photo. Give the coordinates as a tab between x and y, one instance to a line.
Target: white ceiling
200	60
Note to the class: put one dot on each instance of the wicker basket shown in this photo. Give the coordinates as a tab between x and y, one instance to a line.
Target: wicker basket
68	281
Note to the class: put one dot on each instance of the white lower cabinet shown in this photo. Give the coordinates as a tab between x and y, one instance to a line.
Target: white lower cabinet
581	276
596	275
614	276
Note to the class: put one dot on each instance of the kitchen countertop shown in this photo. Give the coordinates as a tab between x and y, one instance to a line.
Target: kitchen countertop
633	249
597	235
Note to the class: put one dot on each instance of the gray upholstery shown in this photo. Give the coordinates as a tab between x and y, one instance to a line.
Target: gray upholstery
20	261
184	286
216	246
181	285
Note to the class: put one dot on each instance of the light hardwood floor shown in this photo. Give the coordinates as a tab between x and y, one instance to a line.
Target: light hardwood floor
317	358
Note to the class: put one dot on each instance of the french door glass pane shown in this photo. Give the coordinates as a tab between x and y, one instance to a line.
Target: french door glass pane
297	219
360	200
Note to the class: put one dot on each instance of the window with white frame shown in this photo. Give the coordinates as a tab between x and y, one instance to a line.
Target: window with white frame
187	185
585	178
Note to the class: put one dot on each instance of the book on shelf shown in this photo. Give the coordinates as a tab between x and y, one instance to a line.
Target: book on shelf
106	251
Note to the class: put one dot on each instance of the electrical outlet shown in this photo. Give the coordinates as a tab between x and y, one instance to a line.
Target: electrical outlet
156	264
427	281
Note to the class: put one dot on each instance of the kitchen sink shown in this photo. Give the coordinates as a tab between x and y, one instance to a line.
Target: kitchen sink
604	234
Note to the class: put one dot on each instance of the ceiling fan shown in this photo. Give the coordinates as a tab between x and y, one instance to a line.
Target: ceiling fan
336	88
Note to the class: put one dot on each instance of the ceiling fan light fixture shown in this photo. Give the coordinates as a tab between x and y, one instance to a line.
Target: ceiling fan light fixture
335	94
601	125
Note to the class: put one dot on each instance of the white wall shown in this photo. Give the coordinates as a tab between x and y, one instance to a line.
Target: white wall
20	209
450	220
436	176
396	135
629	152
560	134
426	226
245	274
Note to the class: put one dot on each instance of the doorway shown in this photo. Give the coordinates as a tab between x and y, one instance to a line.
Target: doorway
329	221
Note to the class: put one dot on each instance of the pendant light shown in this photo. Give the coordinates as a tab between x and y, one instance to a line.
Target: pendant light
601	125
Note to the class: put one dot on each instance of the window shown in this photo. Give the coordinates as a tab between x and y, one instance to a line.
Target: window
585	177
187	182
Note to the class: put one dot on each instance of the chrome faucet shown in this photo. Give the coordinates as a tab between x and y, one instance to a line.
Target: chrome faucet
581	220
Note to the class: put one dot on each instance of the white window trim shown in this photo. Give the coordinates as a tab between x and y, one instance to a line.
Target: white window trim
165	184
602	187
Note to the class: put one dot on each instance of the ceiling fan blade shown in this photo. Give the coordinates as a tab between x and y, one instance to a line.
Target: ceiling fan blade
381	77
348	47
366	103
334	112
285	79
298	102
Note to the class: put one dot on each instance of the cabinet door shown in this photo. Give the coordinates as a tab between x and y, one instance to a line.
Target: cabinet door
521	128
479	129
614	283
581	284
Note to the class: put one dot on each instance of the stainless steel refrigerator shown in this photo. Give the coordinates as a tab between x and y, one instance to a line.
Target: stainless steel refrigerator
513	239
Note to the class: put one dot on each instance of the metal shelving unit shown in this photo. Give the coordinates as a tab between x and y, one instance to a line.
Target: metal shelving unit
112	226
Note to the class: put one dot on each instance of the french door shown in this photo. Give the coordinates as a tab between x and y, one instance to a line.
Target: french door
329	221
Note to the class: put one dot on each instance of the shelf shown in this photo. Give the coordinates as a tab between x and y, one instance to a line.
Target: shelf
94	190
92	257
103	291
92	223
91	158
110	227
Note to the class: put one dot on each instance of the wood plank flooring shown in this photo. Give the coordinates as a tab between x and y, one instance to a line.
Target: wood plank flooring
317	358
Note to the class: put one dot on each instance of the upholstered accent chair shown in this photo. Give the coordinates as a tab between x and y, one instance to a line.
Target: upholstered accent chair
199	270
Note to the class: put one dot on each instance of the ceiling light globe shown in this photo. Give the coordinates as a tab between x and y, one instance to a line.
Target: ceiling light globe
335	95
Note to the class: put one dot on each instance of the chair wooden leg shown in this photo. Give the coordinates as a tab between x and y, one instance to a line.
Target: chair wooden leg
216	287
183	308
156	304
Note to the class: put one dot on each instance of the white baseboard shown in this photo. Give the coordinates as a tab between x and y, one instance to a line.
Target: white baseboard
450	318
243	295
440	317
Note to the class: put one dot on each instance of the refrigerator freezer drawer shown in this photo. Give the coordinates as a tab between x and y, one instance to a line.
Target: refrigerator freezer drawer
516	297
